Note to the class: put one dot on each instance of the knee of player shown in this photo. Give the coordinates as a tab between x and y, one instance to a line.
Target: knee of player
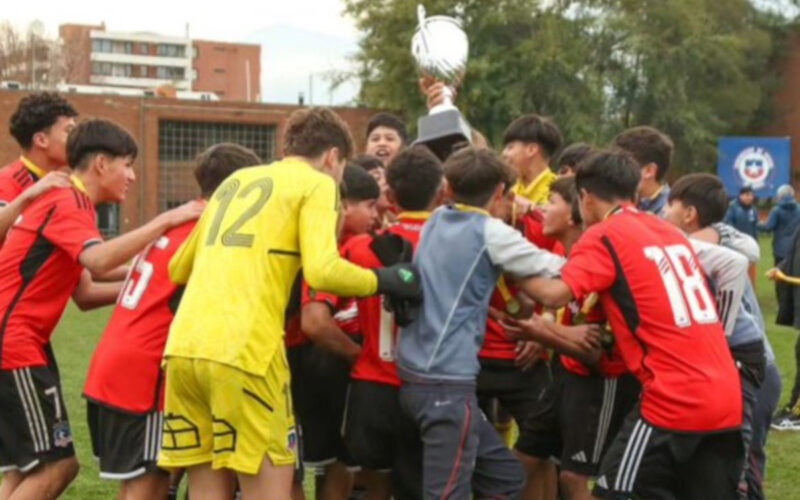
532	464
65	470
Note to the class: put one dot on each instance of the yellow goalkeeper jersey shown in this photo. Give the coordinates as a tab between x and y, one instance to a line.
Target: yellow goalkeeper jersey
243	256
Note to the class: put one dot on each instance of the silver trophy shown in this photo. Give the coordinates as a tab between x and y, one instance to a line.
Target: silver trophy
441	48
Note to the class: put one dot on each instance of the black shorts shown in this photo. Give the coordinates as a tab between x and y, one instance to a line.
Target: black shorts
319	390
582	416
126	445
371	424
520	393
645	462
34	427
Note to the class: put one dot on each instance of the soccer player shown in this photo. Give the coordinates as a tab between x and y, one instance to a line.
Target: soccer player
652	150
696	203
40	264
571	156
228	403
377	436
377	170
40	125
437	354
683	439
124	385
321	368
386	136
529	143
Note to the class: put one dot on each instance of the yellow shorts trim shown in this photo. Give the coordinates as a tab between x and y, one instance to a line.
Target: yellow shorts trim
231	418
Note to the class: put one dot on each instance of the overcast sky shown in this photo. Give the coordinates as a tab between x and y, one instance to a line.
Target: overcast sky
285	65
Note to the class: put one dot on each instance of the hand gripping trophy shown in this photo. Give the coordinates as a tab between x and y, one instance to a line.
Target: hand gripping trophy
440	49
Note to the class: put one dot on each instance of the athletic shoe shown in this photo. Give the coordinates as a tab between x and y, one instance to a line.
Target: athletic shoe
786	420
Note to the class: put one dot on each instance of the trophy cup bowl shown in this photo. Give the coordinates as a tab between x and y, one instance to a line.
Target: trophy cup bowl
441	49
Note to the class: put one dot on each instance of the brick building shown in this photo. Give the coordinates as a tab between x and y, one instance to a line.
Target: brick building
95	56
170	133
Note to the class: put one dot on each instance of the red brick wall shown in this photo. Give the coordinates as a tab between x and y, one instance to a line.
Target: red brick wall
141	116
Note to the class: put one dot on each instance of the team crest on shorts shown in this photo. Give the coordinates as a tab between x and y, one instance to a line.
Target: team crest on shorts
291	439
62	435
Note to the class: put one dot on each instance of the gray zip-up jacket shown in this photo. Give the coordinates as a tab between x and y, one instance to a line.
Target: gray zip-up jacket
461	255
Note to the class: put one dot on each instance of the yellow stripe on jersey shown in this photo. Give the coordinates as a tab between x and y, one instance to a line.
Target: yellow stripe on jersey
243	256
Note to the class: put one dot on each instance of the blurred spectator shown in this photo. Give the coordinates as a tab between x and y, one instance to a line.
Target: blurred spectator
742	213
783	221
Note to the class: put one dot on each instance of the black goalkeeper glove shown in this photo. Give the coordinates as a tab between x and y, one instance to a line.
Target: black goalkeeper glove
400	281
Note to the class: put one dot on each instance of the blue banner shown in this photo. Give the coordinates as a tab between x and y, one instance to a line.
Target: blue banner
763	163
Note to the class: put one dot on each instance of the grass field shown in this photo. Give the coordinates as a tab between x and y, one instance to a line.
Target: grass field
78	332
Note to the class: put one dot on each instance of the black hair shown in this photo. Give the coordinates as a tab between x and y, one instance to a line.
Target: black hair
565	187
573	154
415	176
609	175
647	145
368	162
746	189
388	120
98	136
705	193
216	163
532	128
35	113
359	184
473	175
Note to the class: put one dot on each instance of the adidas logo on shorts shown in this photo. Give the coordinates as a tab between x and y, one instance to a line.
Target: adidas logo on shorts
579	457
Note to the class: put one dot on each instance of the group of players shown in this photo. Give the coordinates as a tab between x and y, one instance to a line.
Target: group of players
608	315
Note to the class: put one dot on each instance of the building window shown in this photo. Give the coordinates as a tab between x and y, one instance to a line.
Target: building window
219	70
170	50
194	75
144	49
101	68
122	48
108	219
143	71
180	142
125	70
219	49
100	45
169	73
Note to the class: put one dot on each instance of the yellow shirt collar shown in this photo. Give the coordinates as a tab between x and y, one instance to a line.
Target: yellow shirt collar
414	214
34	168
469	208
535	189
78	184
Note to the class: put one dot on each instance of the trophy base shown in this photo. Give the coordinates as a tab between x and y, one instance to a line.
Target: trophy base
443	130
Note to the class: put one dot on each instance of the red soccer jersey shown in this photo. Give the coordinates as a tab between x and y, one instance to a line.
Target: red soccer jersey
532	226
14	179
611	365
125	370
663	317
376	362
39	270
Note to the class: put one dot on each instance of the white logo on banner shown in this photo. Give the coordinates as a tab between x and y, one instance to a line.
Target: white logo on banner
754	165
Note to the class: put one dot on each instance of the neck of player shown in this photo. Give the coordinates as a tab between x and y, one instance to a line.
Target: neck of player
536	167
91	182
648	188
42	160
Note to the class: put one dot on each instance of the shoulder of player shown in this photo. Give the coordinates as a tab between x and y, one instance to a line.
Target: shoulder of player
66	199
15	172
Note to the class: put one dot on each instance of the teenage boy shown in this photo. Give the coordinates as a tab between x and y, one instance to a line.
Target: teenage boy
652	150
682	440
226	368
377	436
587	402
53	240
124	385
529	143
321	368
697	201
571	156
437	354
386	136
40	125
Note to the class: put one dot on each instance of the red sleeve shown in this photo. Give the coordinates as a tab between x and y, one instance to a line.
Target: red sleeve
72	227
533	230
9	190
308	295
589	267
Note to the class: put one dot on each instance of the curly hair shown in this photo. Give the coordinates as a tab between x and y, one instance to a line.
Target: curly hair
35	113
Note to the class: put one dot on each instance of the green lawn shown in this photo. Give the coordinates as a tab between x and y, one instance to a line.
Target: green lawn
78	332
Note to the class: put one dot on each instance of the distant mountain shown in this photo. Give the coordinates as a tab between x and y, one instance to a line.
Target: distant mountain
290	54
